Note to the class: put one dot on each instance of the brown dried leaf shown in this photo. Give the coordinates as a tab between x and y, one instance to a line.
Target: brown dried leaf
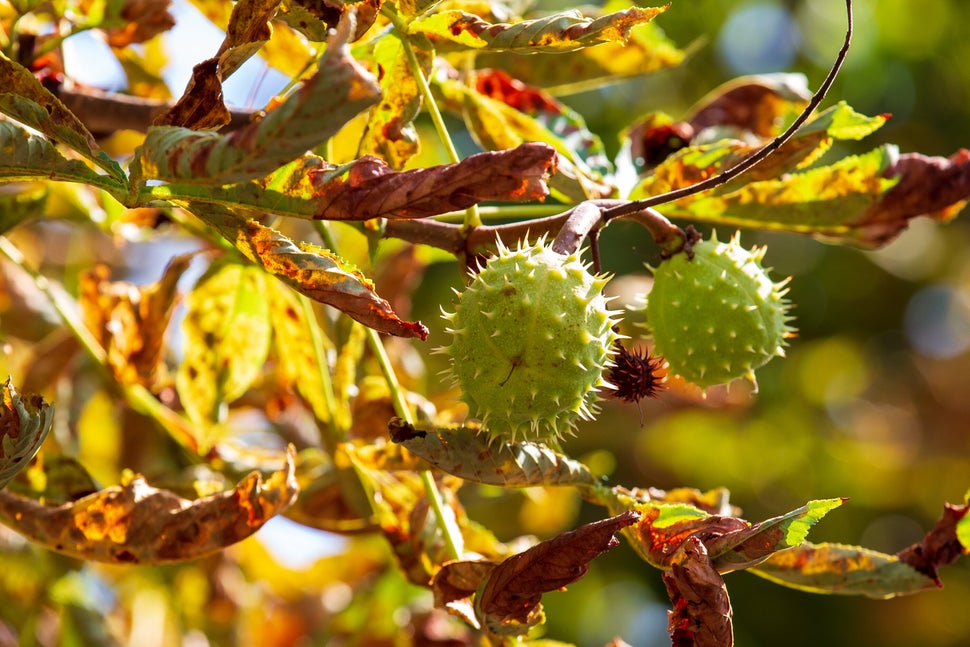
145	19
130	321
370	189
701	616
202	106
937	187
456	583
314	17
135	523
755	104
514	588
940	547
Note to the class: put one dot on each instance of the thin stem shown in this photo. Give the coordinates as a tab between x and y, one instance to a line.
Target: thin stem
402	410
138	397
331	434
472	218
754	158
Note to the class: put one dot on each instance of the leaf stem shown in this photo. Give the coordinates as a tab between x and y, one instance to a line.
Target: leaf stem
138	397
332	435
402	410
472	218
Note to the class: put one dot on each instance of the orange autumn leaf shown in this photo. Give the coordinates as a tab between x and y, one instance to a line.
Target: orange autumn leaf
135	523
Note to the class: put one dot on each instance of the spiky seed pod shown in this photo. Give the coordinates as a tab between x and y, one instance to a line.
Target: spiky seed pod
531	336
635	374
718	316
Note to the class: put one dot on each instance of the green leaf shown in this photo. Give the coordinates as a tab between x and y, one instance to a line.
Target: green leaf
298	343
844	570
560	32
390	133
313	271
226	340
25	156
963	527
30	103
366	188
24	424
20	202
336	93
752	545
463	451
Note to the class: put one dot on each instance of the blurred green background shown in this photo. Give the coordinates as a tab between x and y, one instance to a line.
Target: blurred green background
873	401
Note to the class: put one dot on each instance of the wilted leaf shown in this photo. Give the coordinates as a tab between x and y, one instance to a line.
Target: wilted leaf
749	546
510	598
313	18
25	156
135	523
560	32
30	103
940	547
201	106
936	187
464	452
338	91
313	271
756	104
226	339
130	321
390	133
142	20
367	188
331	497
701	615
455	585
24	424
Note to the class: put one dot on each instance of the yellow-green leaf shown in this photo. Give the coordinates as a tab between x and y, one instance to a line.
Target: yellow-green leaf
226	339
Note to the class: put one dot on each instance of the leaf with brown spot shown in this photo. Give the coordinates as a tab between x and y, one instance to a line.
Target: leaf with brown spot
757	104
701	615
143	20
339	90
455	585
509	602
24	424
135	523
467	453
130	321
559	32
311	270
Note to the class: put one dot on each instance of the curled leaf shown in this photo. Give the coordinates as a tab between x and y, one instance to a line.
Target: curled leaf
135	523
313	271
510	598
24	424
701	614
130	321
142	20
338	91
464	452
940	547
